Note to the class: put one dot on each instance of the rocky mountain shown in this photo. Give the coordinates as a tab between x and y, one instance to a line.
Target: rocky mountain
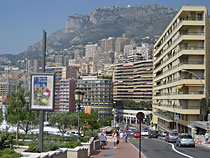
135	22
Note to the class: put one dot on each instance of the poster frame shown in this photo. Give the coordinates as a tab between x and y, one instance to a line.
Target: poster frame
33	107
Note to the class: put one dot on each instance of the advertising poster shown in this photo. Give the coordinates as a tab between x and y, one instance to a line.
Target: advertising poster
88	110
42	92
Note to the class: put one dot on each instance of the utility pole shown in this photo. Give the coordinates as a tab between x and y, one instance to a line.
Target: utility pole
41	113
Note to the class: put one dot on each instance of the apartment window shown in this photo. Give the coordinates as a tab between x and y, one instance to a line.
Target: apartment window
186	118
199	16
182	117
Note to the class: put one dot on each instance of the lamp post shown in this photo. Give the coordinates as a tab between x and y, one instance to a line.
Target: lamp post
113	111
78	97
199	79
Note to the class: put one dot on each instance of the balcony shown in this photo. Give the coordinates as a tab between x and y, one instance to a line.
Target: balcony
185	64
183	109
164	116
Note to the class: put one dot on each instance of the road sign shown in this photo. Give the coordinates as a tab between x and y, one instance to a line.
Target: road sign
176	117
140	116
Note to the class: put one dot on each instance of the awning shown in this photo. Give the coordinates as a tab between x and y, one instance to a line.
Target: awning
179	86
194	85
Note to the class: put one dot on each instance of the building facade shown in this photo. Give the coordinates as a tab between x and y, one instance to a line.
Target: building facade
133	81
98	95
62	87
181	70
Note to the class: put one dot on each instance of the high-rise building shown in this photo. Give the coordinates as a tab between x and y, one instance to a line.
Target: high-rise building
133	81
98	94
181	70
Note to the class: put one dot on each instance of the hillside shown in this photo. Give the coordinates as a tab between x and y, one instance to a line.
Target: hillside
135	22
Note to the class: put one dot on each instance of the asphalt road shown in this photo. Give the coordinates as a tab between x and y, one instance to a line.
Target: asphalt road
158	148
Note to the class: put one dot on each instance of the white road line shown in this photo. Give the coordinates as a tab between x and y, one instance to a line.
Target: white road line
178	152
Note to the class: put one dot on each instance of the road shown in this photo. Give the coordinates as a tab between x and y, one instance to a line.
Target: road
158	148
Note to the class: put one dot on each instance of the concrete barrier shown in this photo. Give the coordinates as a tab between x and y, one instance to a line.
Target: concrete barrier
89	145
96	145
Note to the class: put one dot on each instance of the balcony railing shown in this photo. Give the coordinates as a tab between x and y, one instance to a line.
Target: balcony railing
178	65
164	116
180	93
179	23
178	79
178	107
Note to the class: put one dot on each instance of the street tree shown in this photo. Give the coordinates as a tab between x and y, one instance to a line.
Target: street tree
64	121
18	109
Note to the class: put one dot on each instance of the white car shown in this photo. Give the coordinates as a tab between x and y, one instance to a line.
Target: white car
144	133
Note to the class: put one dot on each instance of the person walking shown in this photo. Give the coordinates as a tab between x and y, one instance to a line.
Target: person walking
103	140
206	136
121	136
126	136
114	135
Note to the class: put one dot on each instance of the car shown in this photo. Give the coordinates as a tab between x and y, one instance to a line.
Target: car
131	132
144	133
162	134
153	134
185	140
171	137
136	134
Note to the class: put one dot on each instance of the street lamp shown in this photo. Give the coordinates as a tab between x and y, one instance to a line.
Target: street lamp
78	97
114	111
199	79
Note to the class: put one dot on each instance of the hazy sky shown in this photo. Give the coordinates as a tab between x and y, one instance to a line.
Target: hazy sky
22	21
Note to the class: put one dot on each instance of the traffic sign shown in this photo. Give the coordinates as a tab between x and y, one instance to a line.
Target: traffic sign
176	117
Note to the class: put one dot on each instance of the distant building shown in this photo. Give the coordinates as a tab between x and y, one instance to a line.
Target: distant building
98	94
63	86
133	81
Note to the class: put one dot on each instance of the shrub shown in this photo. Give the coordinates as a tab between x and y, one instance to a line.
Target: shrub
6	139
92	133
9	153
34	147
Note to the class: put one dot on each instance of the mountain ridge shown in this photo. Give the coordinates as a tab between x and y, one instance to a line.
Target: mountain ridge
135	22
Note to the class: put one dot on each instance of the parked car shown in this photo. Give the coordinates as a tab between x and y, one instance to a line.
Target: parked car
131	132
153	134
162	134
185	140
144	133
136	134
171	137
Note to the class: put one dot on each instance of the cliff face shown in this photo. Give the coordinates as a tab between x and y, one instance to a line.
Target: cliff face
134	22
76	22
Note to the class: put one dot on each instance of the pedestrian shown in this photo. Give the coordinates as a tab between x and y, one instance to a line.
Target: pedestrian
126	136
114	135
103	140
206	136
121	136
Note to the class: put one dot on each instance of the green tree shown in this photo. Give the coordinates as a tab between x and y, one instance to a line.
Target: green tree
88	121
64	121
18	109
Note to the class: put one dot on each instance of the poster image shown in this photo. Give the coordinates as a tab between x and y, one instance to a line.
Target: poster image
42	91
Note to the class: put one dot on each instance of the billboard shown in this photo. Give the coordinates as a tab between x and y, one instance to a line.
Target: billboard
42	92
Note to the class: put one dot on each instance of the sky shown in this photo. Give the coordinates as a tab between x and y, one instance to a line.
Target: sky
22	21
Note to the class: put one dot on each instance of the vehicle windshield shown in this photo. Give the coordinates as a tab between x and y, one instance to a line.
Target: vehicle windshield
186	137
174	134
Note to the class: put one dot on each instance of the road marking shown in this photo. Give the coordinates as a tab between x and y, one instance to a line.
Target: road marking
175	149
180	152
136	148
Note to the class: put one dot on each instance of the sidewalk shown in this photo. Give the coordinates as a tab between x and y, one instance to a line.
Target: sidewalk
123	150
